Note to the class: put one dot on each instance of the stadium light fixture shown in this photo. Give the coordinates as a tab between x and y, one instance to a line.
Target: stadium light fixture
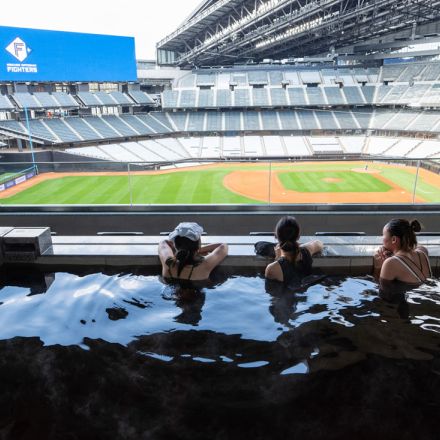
295	30
231	30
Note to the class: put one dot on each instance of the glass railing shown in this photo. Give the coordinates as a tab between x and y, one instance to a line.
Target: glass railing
220	182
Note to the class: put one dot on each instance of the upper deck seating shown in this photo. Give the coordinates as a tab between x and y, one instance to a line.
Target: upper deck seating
431	72
121	98
39	129
260	97
278	97
431	97
297	96
65	100
84	129
120	125
64	132
196	121
214	121
105	98
327	120
391	72
162	119
363	118
310	77
179	120
26	100
257	77
170	99
206	79
233	121
187	81
5	103
307	120
188	99
89	99
353	95
289	120
137	124
395	95
361	75
206	98
103	128
411	73
224	98
270	120
369	93
334	96
242	97
251	121
46	100
141	98
276	77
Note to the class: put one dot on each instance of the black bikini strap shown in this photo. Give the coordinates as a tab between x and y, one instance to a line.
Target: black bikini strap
190	274
419	269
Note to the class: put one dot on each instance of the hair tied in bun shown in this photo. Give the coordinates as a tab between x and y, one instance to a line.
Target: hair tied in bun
416	226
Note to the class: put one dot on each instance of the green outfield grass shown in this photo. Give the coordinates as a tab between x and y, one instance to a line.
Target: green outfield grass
205	186
192	187
347	181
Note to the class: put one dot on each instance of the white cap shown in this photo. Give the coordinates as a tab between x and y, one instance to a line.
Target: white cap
190	230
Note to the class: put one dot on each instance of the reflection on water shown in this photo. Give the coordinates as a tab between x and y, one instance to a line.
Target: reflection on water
65	309
253	343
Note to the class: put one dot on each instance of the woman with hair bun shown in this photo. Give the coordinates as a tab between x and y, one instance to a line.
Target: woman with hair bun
400	258
183	257
294	261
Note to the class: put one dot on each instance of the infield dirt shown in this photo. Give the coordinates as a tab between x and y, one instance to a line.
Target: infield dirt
254	183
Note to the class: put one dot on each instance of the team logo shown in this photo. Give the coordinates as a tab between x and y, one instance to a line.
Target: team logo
19	49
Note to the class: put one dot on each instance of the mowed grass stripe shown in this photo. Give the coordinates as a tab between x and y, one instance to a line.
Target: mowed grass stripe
42	193
86	189
117	189
186	187
206	186
406	180
201	187
349	182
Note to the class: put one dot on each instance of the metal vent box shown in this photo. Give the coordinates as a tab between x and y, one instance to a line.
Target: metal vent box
26	244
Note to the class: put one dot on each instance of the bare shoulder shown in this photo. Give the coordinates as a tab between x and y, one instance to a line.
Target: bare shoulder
422	249
273	271
390	269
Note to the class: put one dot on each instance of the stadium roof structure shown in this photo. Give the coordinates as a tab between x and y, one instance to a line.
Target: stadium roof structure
221	32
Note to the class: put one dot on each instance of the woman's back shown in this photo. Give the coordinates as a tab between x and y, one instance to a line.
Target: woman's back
190	272
294	272
410	267
287	271
197	268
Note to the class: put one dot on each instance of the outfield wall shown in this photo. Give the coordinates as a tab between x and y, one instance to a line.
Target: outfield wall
58	161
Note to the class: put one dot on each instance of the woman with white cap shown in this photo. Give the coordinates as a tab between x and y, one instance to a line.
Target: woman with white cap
183	257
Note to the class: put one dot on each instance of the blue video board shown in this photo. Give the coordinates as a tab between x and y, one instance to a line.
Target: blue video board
37	55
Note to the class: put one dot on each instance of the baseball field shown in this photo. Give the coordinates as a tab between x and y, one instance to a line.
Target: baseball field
239	183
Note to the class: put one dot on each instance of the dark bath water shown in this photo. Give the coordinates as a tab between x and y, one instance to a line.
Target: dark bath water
98	356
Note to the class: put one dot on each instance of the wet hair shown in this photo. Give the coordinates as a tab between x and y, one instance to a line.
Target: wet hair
186	253
405	230
287	233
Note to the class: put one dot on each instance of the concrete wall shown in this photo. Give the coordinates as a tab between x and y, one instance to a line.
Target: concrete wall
230	221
